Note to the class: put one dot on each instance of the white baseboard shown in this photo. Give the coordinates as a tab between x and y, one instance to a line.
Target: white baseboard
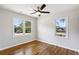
58	45
16	44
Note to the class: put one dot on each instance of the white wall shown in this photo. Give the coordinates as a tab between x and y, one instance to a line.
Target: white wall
6	29
46	29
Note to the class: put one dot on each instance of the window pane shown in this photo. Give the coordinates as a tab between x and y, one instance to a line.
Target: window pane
27	27
18	26
61	27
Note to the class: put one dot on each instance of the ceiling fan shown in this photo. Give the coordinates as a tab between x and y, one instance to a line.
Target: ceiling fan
40	10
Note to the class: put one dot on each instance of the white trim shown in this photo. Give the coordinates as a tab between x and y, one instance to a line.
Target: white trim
18	34
58	45
17	44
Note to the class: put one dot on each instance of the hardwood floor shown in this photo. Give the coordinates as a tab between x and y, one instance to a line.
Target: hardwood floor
37	48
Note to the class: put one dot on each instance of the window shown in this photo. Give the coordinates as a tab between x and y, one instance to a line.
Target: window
62	27
21	26
18	26
27	27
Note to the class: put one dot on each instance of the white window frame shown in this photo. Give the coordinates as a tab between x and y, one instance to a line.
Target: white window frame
67	25
17	34
21	34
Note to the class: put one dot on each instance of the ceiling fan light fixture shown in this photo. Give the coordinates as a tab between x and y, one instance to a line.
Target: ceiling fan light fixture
38	13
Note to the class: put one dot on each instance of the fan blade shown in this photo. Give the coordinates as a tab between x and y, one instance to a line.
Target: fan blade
45	12
33	13
42	7
35	10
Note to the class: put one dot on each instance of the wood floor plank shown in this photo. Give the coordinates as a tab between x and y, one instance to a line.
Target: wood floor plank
37	48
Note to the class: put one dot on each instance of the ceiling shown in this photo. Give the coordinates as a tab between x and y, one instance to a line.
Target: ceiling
28	8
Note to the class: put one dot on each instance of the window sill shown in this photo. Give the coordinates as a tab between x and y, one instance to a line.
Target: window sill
21	34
